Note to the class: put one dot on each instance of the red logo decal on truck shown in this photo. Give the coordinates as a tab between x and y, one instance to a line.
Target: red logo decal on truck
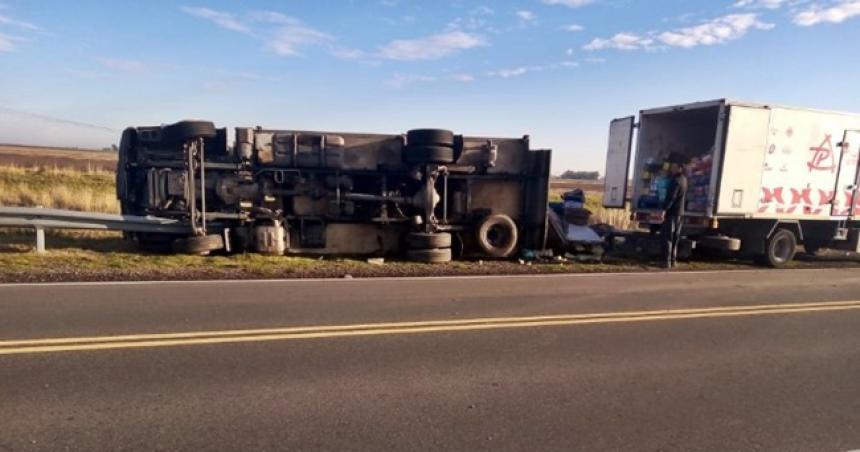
823	159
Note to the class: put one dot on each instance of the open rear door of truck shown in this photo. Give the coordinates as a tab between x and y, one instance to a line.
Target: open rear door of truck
847	180
618	162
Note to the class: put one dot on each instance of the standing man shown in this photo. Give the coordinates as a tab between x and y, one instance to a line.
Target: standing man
676	198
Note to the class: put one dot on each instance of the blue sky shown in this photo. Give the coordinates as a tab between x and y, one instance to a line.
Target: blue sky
77	72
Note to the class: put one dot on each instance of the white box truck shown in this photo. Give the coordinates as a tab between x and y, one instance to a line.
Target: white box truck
763	178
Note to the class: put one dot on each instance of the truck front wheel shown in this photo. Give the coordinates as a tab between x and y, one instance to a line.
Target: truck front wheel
779	249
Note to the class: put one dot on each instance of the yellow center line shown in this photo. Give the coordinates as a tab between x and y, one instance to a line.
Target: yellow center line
12	347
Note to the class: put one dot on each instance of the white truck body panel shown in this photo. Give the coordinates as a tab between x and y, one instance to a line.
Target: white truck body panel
802	162
618	162
768	162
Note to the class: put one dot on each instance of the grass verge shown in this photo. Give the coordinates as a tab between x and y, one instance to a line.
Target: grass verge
104	256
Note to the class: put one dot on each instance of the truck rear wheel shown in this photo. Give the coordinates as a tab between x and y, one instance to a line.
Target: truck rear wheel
428	240
201	245
780	249
430	137
184	131
430	256
429	154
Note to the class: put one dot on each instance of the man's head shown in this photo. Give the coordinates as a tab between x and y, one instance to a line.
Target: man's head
676	163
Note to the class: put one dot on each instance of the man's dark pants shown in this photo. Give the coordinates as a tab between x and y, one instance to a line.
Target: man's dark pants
670	237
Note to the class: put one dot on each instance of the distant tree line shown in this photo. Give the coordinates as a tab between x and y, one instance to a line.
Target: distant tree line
581	175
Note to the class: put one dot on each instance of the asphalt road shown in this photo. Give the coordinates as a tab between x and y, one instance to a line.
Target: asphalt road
757	360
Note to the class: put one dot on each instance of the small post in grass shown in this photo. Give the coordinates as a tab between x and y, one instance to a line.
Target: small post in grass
40	239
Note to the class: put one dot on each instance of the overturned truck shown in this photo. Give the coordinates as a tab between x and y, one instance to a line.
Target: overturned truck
428	195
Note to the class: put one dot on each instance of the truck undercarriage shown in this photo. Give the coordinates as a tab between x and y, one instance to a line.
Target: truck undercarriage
428	194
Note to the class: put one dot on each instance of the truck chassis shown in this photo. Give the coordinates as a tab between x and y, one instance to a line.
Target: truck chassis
428	195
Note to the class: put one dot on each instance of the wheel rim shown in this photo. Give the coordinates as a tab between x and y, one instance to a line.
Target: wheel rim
498	236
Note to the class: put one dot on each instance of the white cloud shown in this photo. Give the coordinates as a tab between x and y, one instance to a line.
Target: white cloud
222	19
523	70
287	39
402	81
526	16
834	13
464	78
475	19
346	53
573	28
430	47
716	31
761	4
568	3
621	41
6	20
7	43
283	34
273	17
124	65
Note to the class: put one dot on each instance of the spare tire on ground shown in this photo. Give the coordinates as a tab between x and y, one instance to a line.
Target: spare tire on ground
420	155
497	236
430	137
184	131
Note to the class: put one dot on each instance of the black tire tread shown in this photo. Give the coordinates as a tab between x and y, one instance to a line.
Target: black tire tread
428	240
183	131
482	233
430	256
429	154
430	137
202	244
769	258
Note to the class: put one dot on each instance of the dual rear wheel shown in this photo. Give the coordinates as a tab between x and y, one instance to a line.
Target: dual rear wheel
429	247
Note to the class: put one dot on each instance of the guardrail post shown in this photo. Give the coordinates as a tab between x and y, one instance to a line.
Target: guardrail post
40	239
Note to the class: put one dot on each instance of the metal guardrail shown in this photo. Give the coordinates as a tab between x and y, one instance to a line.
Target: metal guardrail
41	219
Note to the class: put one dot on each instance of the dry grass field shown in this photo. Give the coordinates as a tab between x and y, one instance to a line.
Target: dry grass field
34	156
90	190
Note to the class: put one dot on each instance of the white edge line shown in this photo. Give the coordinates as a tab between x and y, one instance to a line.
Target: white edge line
407	278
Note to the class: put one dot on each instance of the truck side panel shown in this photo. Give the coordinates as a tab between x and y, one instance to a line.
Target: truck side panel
743	160
801	165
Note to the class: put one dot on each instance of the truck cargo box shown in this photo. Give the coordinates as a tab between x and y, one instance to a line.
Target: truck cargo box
744	160
762	178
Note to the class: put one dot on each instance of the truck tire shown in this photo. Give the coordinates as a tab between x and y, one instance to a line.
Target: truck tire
199	245
430	256
425	240
420	155
720	243
779	248
184	131
497	236
430	137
